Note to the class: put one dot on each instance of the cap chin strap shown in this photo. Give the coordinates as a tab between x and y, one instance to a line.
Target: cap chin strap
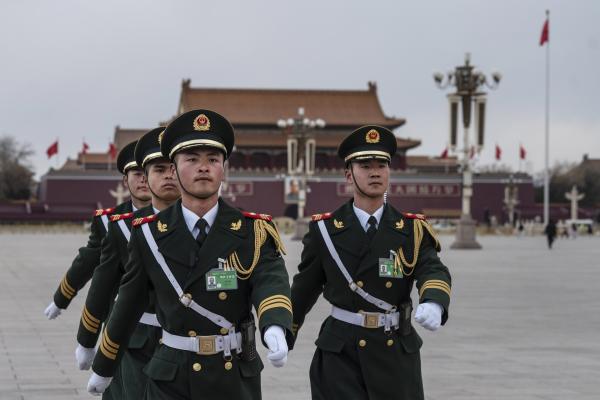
131	192
151	191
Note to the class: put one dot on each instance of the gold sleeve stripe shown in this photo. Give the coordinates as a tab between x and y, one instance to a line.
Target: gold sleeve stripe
89	321
107	346
272	300
438	283
106	353
444	287
275	305
64	292
276	296
67	286
90	316
110	342
87	325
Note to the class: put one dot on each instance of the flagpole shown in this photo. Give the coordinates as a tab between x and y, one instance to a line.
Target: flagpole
547	144
57	153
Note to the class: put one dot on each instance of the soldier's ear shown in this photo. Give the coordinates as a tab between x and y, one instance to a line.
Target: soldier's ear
125	179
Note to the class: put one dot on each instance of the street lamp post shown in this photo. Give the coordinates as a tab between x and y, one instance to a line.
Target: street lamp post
468	83
301	149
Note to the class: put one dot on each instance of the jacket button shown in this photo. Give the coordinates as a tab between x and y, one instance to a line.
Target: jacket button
388	284
224	331
160	341
362	342
359	284
390	342
192	333
222	295
228	365
196	367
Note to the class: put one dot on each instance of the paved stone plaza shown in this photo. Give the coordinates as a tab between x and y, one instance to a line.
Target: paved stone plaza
524	323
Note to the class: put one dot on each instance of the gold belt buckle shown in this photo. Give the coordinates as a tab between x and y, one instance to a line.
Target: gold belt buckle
371	320
207	345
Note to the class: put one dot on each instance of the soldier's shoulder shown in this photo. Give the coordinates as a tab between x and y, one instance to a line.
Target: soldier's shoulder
321	216
104	211
119	217
409	215
253	215
144	220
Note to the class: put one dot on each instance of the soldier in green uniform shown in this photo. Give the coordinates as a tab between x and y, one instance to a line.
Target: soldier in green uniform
87	260
208	264
364	257
129	382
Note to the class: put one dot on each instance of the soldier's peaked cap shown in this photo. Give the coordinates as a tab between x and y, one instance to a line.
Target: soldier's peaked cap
198	128
126	158
148	147
368	142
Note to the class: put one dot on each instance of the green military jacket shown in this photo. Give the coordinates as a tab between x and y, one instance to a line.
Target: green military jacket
88	258
250	244
105	282
388	364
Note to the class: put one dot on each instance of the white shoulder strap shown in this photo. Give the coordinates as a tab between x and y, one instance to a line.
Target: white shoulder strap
104	219
353	286
124	229
186	300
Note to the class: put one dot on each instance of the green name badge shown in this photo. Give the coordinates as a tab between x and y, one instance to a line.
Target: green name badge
388	270
221	279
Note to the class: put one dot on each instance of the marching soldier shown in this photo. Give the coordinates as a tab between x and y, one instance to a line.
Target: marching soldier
130	382
364	257
83	265
208	264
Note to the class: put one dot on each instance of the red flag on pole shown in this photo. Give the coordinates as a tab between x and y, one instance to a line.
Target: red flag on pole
85	148
112	150
545	33
522	152
444	153
498	153
53	149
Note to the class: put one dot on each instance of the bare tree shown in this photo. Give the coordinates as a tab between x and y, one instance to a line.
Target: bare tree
16	172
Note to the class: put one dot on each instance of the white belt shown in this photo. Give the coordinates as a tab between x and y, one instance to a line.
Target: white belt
205	345
149	319
367	319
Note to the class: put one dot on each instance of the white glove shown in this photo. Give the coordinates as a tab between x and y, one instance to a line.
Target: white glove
84	357
97	384
429	315
52	311
278	349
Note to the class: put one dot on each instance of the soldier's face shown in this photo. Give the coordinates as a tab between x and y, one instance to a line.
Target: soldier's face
372	176
162	180
136	181
201	171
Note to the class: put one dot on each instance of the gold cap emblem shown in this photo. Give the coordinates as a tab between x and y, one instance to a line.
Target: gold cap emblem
372	136
201	123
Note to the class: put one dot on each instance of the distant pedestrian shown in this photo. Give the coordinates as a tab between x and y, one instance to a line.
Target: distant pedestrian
550	233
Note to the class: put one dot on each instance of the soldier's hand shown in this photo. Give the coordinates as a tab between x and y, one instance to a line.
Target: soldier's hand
429	315
278	349
97	384
84	357
52	311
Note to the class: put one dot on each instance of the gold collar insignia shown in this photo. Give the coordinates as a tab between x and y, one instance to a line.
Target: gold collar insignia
235	226
400	224
161	227
338	224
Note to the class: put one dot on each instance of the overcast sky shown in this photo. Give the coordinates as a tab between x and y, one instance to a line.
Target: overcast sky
75	69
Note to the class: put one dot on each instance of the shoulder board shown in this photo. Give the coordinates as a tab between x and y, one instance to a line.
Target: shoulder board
414	216
265	217
104	211
118	217
318	217
143	220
